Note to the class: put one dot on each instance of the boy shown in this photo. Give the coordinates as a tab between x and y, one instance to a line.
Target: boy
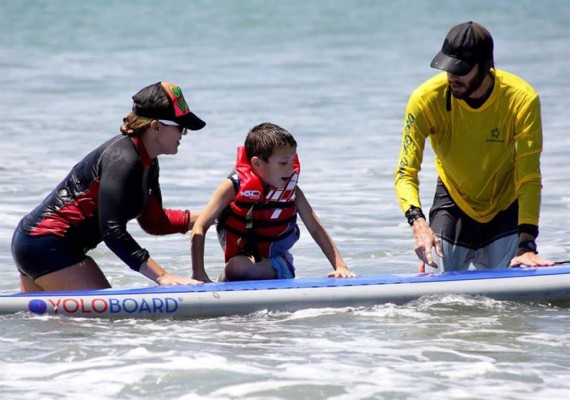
256	211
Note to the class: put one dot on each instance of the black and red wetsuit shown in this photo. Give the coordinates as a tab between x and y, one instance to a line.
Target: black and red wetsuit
115	183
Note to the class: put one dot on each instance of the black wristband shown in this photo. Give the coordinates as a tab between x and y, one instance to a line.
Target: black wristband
528	228
529	245
414	213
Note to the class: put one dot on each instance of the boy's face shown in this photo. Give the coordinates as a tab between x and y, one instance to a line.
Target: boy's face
278	169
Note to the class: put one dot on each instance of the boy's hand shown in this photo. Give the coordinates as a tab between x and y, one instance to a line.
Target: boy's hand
204	278
341	273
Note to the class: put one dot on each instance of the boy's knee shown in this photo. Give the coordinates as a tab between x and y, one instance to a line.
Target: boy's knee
234	269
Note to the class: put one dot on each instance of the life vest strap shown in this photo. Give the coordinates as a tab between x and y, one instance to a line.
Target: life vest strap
270	205
262	238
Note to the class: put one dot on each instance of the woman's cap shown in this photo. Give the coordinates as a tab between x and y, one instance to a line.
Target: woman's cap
164	100
466	44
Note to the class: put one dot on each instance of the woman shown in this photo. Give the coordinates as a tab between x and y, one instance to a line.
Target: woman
115	183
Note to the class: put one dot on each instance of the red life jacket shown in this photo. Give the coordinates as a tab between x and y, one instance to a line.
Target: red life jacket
260	222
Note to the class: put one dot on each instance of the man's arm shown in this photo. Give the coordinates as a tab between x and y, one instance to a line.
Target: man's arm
407	183
528	181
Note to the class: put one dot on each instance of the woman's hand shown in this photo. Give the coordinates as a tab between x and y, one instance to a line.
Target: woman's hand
152	270
171	279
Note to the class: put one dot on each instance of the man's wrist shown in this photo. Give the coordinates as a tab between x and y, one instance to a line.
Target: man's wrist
529	245
413	214
528	229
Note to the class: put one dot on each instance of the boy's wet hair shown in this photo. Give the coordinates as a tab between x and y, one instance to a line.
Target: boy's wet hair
265	138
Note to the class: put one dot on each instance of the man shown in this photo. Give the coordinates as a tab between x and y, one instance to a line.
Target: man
484	126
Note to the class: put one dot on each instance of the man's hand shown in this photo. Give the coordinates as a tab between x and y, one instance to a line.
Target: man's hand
527	255
530	259
425	240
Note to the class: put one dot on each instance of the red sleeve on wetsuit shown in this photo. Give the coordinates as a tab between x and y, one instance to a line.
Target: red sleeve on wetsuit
157	221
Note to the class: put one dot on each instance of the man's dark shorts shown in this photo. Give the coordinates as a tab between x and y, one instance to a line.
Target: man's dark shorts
487	245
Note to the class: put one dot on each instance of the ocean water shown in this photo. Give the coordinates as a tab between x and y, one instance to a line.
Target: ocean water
337	74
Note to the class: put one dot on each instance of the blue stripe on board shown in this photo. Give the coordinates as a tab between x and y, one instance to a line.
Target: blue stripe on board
320	282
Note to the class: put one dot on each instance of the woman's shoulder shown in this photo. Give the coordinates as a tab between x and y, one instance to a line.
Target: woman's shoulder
119	149
118	142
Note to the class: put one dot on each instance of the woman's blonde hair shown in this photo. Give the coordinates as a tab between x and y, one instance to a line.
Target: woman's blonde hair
134	125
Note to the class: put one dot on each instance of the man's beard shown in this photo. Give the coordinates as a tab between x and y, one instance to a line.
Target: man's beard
471	86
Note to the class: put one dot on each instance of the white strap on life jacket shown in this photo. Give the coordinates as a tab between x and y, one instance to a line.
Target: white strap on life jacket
283	195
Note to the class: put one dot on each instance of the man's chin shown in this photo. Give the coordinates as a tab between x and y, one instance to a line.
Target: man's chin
458	93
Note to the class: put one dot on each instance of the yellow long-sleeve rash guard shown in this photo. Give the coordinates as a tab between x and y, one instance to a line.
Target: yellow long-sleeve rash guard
486	157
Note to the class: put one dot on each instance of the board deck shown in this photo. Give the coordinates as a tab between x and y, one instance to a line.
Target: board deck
544	285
